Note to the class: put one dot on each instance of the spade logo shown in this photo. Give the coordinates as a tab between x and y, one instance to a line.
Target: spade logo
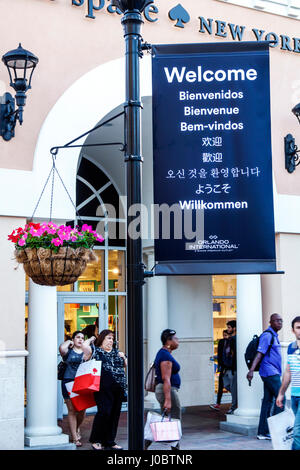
180	15
94	371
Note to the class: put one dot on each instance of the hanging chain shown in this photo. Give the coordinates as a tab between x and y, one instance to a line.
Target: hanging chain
77	213
52	186
52	171
37	204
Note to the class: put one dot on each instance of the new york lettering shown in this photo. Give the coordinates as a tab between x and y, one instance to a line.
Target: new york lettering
223	29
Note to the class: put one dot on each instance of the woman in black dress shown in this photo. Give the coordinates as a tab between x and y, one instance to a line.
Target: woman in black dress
72	354
112	389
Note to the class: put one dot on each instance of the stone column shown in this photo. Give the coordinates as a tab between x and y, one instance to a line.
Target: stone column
41	412
249	322
157	319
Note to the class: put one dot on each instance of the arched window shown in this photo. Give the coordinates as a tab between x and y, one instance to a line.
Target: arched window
98	203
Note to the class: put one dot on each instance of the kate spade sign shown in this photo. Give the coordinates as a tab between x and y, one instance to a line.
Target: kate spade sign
180	17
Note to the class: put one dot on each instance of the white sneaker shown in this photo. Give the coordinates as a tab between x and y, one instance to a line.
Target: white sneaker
261	437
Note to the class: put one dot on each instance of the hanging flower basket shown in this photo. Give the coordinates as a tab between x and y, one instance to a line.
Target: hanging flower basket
54	255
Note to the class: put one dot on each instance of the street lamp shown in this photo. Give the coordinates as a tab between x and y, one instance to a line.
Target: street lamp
132	22
18	63
291	151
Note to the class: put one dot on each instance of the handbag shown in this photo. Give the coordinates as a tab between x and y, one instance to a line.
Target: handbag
150	380
166	429
61	369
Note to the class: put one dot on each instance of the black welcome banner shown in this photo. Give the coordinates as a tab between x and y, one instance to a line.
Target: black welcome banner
212	158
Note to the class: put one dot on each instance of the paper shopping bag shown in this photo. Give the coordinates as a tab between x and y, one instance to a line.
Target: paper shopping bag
281	429
87	377
80	402
166	430
152	417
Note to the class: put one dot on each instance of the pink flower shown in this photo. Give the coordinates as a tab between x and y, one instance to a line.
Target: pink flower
87	228
63	235
57	241
21	242
35	232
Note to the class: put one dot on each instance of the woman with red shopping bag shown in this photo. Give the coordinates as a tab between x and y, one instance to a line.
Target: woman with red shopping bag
72	355
112	389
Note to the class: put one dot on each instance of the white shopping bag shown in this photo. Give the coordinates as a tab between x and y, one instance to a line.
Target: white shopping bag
281	429
87	377
166	430
153	417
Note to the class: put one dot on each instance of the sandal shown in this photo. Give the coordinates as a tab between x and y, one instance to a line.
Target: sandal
97	444
116	447
77	442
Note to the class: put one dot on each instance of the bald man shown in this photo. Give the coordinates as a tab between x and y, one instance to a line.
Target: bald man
269	357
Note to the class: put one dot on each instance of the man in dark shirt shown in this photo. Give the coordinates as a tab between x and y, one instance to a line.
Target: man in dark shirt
221	343
229	361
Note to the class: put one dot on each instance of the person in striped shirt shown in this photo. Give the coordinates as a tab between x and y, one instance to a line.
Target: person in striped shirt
292	376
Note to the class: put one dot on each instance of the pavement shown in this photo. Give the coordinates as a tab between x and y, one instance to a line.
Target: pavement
200	426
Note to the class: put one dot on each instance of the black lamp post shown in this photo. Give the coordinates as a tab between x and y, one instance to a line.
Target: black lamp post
19	62
132	22
291	151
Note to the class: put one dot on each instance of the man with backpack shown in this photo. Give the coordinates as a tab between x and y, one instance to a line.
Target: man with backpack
268	358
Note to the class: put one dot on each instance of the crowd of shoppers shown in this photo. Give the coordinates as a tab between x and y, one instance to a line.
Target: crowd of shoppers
112	393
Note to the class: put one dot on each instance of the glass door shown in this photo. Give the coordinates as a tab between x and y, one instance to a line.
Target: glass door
76	312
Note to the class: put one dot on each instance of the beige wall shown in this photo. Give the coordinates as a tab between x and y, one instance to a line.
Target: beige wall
196	371
69	45
12	289
281	292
